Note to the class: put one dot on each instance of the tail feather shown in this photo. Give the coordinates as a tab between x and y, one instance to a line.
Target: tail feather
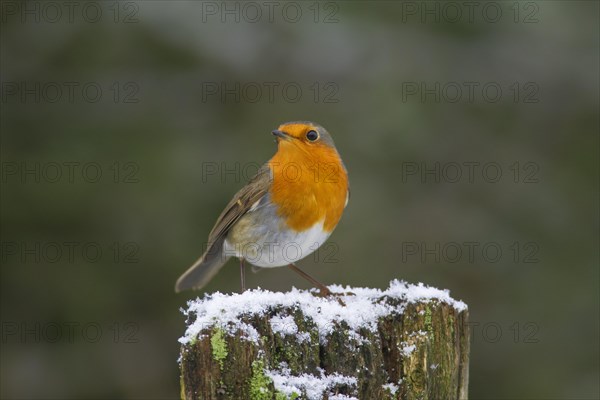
203	270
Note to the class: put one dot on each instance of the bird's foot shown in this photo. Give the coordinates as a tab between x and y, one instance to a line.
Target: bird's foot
325	292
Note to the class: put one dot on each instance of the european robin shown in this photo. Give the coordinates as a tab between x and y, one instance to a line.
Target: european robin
284	213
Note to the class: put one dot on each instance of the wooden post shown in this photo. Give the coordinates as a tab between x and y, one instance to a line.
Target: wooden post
406	342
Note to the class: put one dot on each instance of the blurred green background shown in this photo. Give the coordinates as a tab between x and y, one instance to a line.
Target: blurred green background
102	320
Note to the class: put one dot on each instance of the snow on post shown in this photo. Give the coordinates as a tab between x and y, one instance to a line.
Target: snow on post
405	342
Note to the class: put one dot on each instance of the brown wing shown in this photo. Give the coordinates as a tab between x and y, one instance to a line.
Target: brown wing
241	203
207	266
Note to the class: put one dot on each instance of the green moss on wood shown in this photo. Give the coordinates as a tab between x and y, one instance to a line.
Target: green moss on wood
182	385
428	319
451	324
260	384
218	346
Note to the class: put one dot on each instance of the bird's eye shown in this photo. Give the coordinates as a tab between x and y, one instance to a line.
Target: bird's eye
312	136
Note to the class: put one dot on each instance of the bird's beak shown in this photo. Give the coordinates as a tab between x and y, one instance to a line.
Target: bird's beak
281	134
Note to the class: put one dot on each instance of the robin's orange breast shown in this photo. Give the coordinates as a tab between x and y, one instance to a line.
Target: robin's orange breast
310	185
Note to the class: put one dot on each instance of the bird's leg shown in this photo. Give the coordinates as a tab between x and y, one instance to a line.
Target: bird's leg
242	275
324	290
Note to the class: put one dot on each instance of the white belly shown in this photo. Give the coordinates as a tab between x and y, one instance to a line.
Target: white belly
269	247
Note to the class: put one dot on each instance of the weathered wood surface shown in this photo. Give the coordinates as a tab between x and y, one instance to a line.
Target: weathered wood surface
418	349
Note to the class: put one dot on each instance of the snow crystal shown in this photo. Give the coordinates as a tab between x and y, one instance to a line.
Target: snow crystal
408	350
393	388
303	337
341	397
314	386
415	293
227	311
284	325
